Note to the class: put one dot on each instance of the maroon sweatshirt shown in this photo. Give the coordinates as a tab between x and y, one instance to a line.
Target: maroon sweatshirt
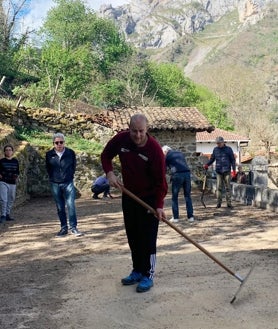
143	168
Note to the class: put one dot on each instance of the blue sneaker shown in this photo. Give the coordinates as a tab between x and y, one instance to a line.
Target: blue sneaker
145	284
76	232
133	278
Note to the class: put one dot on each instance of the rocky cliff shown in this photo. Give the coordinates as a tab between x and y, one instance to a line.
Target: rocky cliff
158	23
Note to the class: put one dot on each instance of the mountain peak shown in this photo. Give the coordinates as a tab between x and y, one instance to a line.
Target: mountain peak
158	23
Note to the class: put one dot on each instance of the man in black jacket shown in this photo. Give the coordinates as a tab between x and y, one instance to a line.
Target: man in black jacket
60	166
225	160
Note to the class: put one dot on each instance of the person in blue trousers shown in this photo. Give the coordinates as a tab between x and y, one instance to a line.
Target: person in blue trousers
60	166
181	179
101	185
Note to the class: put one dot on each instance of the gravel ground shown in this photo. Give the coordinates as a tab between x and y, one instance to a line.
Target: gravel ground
72	283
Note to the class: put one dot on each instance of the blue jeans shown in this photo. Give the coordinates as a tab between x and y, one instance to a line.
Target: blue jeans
181	180
97	189
64	195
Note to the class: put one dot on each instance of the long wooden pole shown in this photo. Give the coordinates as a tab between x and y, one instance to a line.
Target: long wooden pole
196	244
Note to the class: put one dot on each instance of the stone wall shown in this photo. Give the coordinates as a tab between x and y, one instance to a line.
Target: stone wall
184	141
257	196
33	178
43	119
273	173
37	185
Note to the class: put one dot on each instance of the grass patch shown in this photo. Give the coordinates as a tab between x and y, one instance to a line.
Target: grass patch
43	139
7	103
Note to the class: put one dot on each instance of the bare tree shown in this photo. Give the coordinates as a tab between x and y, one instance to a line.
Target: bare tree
10	11
134	83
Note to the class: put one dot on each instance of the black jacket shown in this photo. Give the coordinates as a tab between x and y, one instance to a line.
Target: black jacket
60	170
225	159
9	170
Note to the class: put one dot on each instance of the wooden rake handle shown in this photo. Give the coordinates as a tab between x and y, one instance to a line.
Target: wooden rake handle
196	244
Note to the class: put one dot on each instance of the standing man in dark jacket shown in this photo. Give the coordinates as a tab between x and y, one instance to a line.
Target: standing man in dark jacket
180	178
225	160
143	172
60	166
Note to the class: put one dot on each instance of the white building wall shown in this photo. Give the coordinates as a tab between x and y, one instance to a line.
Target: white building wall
207	148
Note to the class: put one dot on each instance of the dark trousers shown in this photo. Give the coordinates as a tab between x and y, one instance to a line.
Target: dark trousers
97	189
141	230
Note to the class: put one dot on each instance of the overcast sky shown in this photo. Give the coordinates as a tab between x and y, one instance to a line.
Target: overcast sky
39	8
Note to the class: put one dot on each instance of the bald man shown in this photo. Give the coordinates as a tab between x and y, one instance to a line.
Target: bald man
143	173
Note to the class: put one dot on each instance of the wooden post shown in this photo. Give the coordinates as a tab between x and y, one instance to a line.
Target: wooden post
2	81
18	102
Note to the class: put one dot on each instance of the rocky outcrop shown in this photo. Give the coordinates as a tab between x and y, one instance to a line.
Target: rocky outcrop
158	23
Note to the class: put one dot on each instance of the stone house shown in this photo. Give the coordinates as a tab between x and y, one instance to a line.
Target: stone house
175	127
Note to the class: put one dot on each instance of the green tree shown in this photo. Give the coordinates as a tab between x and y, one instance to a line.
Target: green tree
128	83
71	24
214	109
109	46
76	47
170	86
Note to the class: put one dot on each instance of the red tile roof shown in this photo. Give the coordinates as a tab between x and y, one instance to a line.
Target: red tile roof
162	118
227	135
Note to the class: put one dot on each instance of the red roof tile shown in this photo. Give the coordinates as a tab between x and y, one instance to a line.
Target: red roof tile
227	135
162	118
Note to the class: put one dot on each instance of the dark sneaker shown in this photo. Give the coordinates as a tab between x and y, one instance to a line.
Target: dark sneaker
2	219
133	278
229	206
95	197
145	284
8	218
62	232
218	205
75	232
107	196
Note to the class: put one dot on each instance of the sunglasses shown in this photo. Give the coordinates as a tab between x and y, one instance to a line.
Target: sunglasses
59	142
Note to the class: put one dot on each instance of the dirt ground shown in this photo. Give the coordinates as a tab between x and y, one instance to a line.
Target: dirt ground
72	283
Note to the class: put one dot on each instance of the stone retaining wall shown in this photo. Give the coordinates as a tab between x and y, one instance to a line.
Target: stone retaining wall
258	196
33	178
43	119
87	169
